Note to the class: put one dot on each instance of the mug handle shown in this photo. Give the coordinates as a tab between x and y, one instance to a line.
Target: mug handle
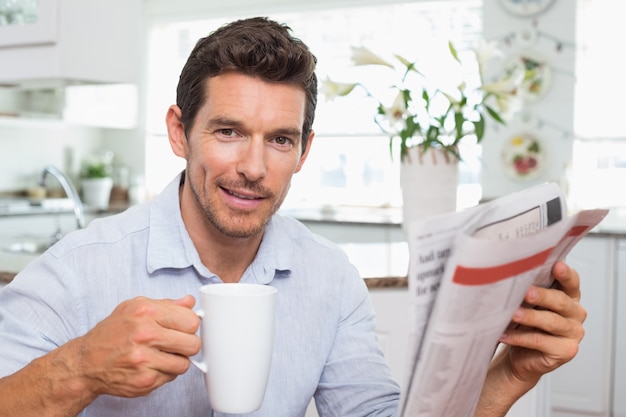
200	365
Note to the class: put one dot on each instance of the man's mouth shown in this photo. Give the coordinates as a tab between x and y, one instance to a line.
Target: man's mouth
242	196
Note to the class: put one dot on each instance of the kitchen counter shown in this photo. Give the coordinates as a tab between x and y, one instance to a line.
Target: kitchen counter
388	282
6	277
34	207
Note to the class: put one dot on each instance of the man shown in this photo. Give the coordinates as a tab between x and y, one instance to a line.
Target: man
102	323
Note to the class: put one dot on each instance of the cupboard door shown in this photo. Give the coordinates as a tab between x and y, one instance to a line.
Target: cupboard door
30	23
619	388
582	386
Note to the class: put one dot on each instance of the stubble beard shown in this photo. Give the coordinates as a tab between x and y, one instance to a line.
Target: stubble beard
236	224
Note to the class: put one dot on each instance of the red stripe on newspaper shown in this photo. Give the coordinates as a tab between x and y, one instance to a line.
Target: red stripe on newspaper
577	230
481	276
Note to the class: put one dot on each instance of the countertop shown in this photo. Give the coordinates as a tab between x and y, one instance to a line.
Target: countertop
33	207
387	282
6	277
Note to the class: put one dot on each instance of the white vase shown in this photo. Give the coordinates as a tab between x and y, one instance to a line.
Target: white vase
96	192
429	184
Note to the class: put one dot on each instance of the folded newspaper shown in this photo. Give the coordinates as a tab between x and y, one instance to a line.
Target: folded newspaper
468	273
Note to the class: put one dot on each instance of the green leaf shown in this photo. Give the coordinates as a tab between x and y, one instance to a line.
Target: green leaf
432	134
494	114
479	128
411	127
453	52
410	66
391	148
100	170
459	120
426	99
406	94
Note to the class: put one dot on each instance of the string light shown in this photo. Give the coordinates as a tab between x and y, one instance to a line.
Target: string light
530	35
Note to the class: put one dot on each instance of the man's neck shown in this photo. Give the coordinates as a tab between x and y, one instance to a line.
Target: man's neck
227	257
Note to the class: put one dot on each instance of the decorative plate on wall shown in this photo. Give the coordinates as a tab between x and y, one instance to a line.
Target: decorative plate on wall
526	8
523	157
536	73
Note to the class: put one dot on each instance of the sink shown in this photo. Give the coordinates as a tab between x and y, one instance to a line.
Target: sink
27	248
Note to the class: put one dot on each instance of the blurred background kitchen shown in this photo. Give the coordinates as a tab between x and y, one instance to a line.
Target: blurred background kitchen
88	82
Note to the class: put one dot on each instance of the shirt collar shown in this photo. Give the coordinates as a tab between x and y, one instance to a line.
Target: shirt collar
169	244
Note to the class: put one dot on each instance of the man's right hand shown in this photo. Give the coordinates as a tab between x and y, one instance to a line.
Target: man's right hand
142	345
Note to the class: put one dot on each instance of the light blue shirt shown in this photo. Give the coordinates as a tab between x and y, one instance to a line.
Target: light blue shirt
325	345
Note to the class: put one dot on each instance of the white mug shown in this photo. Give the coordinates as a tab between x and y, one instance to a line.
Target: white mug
237	334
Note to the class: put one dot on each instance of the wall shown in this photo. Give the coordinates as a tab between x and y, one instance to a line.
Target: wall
559	21
169	10
27	146
546	118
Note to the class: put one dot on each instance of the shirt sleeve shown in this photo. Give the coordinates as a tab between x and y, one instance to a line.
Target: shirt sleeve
356	380
38	313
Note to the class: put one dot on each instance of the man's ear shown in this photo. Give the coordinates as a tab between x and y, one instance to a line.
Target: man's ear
306	151
176	131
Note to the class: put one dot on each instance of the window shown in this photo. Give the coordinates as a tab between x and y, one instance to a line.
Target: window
349	163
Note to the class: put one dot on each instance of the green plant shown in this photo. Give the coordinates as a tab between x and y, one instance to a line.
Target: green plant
429	116
96	171
97	165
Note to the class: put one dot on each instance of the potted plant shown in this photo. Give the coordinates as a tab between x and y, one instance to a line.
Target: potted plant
426	122
96	180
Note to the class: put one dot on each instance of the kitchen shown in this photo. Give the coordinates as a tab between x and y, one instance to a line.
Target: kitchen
29	144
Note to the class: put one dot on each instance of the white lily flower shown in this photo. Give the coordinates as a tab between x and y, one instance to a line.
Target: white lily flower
363	56
509	105
452	100
331	89
505	94
501	87
396	114
435	102
486	51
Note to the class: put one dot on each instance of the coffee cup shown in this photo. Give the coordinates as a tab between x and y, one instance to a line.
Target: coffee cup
237	332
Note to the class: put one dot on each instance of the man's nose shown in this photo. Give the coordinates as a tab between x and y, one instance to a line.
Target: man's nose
252	160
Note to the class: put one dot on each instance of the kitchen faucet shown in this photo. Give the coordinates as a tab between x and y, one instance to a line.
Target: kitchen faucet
69	189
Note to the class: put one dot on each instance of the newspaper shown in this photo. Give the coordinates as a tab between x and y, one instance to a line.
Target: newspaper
468	273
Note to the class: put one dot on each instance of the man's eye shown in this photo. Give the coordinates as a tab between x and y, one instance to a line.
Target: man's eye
227	132
283	140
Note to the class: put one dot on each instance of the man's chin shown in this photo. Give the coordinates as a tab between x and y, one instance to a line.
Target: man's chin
241	229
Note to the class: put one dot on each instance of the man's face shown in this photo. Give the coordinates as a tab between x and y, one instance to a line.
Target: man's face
242	151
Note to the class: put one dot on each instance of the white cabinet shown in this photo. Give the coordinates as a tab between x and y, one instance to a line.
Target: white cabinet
80	62
582	387
619	376
34	23
392	328
83	41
